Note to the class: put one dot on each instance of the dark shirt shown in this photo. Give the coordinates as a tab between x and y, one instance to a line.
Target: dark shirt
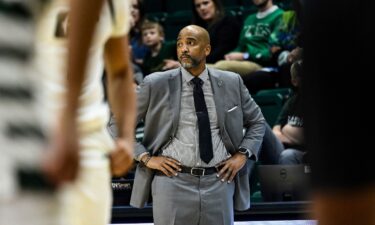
224	35
155	63
291	114
139	50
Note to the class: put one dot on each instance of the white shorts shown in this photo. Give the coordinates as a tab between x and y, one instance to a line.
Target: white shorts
88	201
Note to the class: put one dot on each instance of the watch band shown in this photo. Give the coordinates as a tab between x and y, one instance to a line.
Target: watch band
245	151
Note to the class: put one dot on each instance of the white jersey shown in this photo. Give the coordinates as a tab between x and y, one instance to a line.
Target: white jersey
22	138
51	52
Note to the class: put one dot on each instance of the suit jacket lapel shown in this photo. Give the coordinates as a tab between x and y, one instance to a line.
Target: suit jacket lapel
219	96
175	97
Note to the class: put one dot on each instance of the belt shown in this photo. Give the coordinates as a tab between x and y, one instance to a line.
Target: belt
195	171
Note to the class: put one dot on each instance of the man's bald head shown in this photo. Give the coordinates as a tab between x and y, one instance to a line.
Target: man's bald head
193	46
197	31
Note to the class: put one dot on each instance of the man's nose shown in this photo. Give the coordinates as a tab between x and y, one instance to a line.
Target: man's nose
184	48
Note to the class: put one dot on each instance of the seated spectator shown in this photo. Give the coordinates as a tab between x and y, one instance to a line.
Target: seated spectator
285	41
269	78
135	39
162	55
287	34
253	49
139	50
224	30
289	125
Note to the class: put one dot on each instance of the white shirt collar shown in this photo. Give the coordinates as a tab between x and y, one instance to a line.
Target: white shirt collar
261	15
187	77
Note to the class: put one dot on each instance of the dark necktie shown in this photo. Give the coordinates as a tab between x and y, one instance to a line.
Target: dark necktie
205	141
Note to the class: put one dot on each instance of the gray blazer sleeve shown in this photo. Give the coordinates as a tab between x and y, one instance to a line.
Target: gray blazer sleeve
253	120
143	100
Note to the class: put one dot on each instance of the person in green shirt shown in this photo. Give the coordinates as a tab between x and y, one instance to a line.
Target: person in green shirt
253	50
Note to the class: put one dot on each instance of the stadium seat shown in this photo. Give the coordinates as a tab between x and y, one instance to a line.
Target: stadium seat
284	4
157	17
152	6
174	22
231	3
172	6
284	92
270	106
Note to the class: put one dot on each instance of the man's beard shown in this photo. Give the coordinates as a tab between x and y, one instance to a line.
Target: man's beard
187	65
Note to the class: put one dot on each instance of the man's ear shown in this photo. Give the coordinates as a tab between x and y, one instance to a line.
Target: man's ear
207	50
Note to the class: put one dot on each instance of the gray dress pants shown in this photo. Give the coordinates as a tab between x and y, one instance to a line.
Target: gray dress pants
190	200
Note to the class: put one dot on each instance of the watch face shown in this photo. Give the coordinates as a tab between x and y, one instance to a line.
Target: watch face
244	151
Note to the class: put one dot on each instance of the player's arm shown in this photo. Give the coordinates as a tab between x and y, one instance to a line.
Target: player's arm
62	161
121	94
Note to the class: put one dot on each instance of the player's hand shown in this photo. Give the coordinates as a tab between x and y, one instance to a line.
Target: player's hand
122	157
62	160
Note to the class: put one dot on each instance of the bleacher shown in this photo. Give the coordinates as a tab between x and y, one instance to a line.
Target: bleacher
174	15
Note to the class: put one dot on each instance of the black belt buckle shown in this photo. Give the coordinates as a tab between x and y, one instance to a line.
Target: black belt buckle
197	171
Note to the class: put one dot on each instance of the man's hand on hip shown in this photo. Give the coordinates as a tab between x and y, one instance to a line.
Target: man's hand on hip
168	166
231	166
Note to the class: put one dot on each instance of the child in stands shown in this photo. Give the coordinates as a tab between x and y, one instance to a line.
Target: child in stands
162	55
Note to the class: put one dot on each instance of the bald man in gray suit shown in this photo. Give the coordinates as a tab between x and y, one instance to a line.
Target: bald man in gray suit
187	189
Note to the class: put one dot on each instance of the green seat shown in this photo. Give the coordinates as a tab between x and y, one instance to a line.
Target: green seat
230	3
255	190
270	106
152	6
285	92
256	197
234	11
248	10
172	6
174	22
284	4
157	17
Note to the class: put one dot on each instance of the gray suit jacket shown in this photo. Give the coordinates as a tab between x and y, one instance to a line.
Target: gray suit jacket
159	106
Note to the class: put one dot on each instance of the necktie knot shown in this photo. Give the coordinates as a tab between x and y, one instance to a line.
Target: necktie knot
197	82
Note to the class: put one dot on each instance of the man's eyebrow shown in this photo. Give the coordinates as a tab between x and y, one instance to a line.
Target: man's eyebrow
191	38
188	38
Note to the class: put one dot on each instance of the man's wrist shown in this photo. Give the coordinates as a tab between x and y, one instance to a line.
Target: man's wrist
246	152
140	156
144	159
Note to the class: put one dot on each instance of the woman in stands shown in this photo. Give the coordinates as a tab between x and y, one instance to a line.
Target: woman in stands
224	30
